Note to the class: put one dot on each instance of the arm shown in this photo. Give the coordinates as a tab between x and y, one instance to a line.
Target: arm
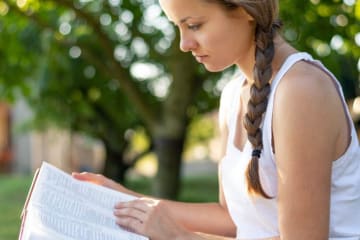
99	179
152	218
201	217
308	119
179	220
192	216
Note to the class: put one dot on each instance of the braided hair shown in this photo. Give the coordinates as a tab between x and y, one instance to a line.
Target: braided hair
265	13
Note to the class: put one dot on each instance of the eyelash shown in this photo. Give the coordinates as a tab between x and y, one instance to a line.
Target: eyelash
194	27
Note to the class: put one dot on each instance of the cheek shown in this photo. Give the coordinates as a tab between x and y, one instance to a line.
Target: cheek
237	41
227	47
226	44
231	38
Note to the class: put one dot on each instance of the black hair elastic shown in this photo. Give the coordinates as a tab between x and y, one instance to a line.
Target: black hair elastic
256	153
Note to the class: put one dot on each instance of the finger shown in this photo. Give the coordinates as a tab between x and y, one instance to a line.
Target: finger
130	212
136	205
149	202
89	177
82	176
132	224
142	204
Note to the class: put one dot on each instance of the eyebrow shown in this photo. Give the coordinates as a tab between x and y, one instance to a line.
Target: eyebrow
184	19
189	17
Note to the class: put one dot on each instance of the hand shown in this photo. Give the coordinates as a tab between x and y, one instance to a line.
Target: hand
148	217
99	180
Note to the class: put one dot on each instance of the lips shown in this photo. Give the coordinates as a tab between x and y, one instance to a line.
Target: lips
200	58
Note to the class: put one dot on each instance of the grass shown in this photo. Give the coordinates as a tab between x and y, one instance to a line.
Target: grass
13	191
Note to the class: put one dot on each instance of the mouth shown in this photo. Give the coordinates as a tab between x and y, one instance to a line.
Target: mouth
200	58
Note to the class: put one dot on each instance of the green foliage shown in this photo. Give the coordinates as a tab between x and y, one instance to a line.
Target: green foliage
199	189
101	68
74	60
105	67
202	188
201	130
328	30
57	50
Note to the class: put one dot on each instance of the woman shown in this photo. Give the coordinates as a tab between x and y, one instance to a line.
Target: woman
291	165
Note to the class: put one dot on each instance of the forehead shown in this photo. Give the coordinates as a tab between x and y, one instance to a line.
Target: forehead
176	10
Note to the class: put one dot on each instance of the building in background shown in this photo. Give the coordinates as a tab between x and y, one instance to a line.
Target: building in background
5	138
24	151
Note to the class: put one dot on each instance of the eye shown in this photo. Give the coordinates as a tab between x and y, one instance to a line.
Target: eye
194	27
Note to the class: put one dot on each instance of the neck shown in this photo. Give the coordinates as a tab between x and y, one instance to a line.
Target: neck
282	51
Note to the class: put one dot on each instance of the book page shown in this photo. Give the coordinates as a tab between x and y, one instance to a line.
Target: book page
58	199
50	225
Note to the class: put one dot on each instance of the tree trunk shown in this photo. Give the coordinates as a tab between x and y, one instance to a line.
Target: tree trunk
167	181
115	167
169	134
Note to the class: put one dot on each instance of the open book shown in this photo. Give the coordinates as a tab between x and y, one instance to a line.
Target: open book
61	207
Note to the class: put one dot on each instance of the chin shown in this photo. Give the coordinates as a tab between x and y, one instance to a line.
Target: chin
212	68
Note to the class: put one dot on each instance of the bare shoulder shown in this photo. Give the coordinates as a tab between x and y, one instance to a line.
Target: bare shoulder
306	103
306	130
307	87
307	80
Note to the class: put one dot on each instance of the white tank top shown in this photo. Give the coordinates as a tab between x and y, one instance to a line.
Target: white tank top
257	217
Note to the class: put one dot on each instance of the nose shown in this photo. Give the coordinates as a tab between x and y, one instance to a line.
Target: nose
187	43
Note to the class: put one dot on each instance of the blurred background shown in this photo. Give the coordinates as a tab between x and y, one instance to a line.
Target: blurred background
100	85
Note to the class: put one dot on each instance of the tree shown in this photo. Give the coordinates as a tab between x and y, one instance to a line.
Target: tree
330	30
89	53
110	54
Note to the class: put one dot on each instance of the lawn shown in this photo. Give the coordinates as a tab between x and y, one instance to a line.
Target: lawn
13	191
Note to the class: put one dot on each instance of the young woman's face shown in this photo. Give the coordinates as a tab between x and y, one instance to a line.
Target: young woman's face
217	38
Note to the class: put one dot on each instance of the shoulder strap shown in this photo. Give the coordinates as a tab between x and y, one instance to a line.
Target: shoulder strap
267	122
289	62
